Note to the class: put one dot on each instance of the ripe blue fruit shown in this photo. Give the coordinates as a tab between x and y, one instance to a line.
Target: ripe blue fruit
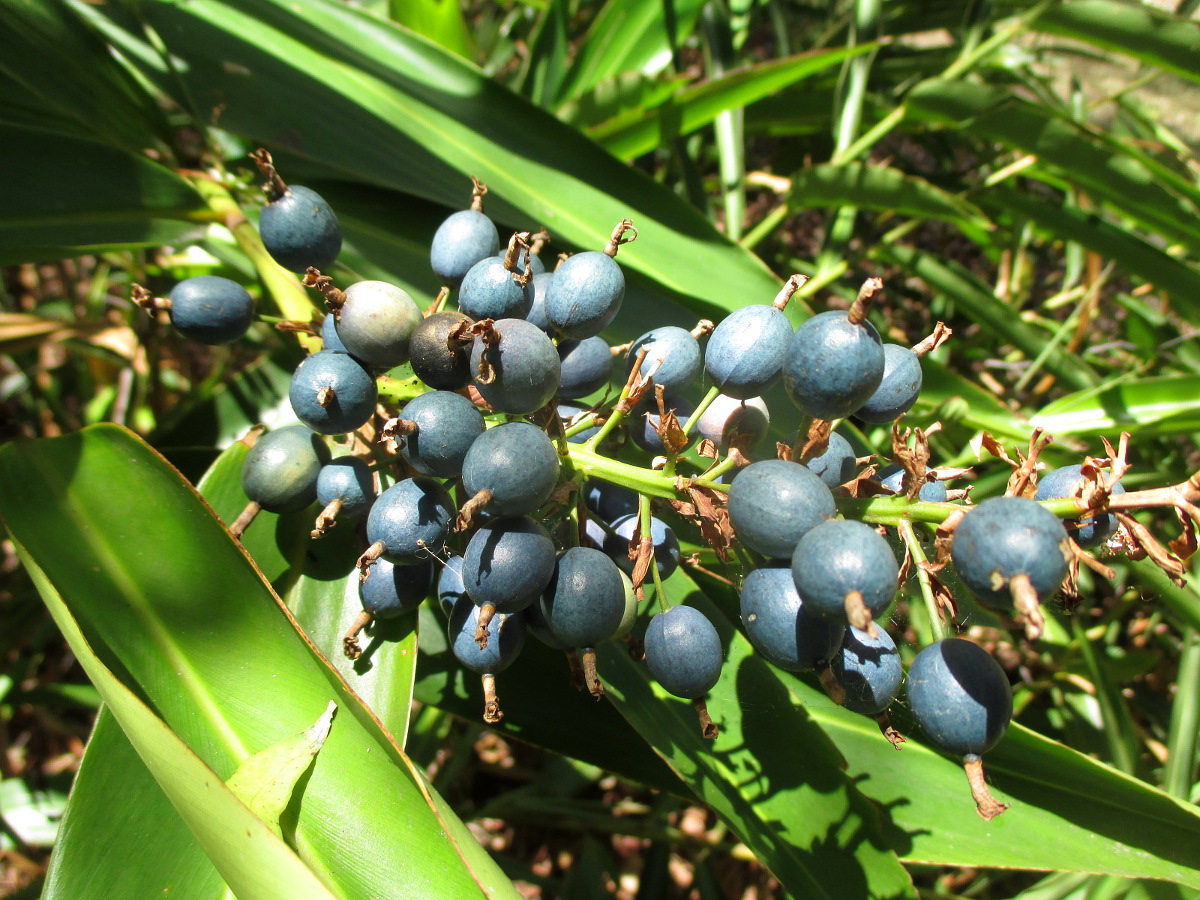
869	671
516	464
332	393
961	699
674	351
537	311
440	348
898	389
516	368
300	230
892	477
584	604
393	590
507	564
1012	553
609	501
281	470
584	367
683	652
443	427
846	572
837	464
773	503
746	351
211	310
833	365
411	519
345	487
461	241
489	291
585	294
329	335
644	433
780	624
666	544
376	323
1068	482
450	584
506	637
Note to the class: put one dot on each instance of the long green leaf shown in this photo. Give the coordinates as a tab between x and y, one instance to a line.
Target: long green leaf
172	605
641	130
420	121
1134	29
1166	405
76	195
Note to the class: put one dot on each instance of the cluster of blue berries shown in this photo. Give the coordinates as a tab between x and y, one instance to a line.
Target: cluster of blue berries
486	453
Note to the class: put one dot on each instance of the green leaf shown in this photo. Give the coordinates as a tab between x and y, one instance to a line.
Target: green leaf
797	812
1149	406
265	782
878	187
1134	29
441	21
629	35
421	120
76	195
172	604
641	130
254	862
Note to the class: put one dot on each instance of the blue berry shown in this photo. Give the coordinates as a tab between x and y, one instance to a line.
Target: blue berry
516	464
833	365
461	241
506	637
281	470
774	503
781	626
489	291
537	311
450	585
211	310
892	477
609	501
348	481
684	652
376	323
393	590
332	393
584	367
675	352
959	696
441	351
869	671
300	230
837	464
645	433
666	544
727	416
445	425
584	604
411	519
585	295
898	389
746	351
840	559
1091	531
508	563
329	335
516	368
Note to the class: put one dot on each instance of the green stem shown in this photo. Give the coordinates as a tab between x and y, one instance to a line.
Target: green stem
644	528
644	481
937	625
713	393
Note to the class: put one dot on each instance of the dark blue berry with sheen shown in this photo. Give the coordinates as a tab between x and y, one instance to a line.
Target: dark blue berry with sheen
450	585
524	367
609	501
508	563
438	357
393	590
869	670
746	351
517	463
1008	536
447	426
281	470
506	637
643	430
841	556
674	350
837	464
211	310
349	391
584	367
1091	531
329	335
348	480
833	365
461	241
300	230
774	503
683	652
899	388
584	602
781	626
585	295
537	312
376	323
489	291
412	518
959	696
666	544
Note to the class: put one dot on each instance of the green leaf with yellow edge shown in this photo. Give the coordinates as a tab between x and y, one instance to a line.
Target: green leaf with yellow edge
174	606
77	195
265	782
255	862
